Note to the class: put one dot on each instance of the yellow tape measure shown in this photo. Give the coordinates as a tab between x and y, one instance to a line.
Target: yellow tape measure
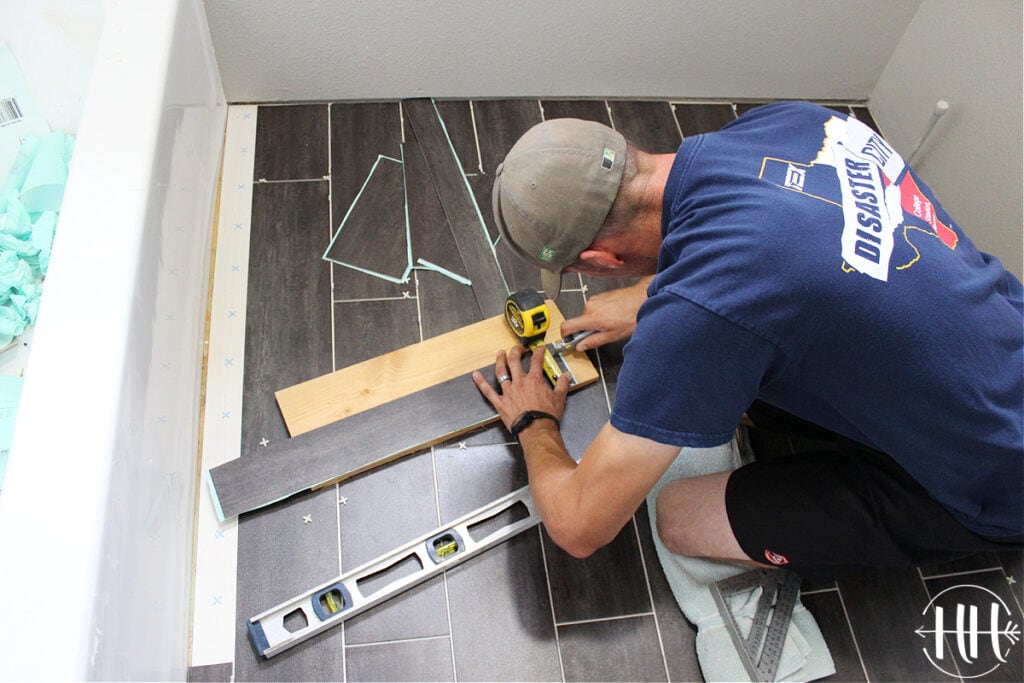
528	316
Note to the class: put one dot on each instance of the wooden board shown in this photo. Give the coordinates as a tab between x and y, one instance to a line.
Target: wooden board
464	217
339	395
356	444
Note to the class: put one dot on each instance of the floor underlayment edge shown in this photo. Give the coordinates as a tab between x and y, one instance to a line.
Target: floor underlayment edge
213	621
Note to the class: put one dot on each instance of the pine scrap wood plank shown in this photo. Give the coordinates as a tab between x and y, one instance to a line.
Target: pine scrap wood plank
358	443
338	395
464	217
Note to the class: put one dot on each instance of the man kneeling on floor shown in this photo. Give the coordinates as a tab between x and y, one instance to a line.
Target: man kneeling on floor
798	274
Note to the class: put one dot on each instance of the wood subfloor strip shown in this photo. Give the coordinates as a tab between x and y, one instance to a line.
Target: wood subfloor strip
343	449
464	216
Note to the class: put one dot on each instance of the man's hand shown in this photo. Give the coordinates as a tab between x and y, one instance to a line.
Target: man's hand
612	314
522	391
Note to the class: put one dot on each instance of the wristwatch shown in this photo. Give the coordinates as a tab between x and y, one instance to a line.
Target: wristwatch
527	418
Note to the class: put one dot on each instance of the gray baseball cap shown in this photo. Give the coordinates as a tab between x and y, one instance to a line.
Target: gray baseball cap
554	190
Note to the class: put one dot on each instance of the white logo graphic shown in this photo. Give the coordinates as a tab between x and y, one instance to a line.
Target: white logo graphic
795	178
982	630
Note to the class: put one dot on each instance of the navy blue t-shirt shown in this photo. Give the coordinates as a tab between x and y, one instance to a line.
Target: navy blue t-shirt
803	264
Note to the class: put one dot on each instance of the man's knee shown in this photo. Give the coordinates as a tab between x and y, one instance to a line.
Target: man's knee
692	520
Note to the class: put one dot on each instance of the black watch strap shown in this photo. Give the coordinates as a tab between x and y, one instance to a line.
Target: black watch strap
527	418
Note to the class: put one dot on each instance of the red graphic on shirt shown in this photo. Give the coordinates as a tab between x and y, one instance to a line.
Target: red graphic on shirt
916	204
775	558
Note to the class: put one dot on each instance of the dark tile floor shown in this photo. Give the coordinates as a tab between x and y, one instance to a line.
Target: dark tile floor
524	610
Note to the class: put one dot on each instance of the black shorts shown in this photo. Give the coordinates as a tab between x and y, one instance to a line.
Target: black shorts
844	506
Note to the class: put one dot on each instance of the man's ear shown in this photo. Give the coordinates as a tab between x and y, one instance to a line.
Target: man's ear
600	259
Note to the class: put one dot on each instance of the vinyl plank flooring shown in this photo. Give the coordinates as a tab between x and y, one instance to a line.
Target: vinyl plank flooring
458	121
280	556
678	635
828	612
884	608
448	304
649	125
291	142
610	583
410	660
210	673
588	110
287	337
695	119
509	578
373	236
367	329
501	123
286	279
1012	562
614	650
360	132
459	207
512	639
383	510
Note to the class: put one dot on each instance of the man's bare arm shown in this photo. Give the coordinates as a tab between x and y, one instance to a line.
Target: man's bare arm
582	506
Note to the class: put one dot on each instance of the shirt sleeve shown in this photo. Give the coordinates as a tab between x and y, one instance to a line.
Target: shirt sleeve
688	374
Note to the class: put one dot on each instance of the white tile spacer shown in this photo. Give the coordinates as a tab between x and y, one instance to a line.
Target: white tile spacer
342	500
1010	580
462	445
264	442
307	519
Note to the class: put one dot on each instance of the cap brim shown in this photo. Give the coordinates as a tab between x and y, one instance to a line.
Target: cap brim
551	283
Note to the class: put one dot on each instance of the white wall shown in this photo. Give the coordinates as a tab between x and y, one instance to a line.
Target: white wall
55	44
96	515
320	50
969	54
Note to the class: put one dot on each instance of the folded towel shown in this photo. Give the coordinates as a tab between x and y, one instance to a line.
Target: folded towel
805	655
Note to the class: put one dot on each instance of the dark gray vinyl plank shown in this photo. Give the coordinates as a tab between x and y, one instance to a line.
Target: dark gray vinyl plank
609	583
649	125
448	304
987	594
1013	566
884	608
210	673
972	563
695	119
283	552
287	324
678	635
458	121
509	579
588	110
360	132
383	510
409	660
291	142
499	124
743	107
501	615
367	329
373	236
347	447
464	217
828	612
615	650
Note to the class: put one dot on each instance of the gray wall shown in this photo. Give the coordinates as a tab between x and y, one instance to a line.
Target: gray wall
969	54
321	49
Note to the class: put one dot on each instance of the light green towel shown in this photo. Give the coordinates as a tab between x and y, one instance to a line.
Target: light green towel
805	656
